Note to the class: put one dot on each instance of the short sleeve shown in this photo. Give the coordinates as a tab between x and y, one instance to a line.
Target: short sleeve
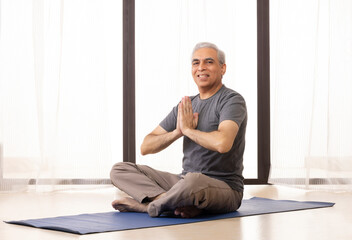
233	108
170	121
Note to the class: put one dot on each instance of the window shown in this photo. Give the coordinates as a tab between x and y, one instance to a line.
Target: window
60	89
166	32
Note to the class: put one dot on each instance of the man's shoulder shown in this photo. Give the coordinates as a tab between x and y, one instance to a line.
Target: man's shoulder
228	93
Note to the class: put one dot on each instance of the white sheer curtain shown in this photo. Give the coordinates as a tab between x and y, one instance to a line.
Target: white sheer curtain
166	32
60	91
311	85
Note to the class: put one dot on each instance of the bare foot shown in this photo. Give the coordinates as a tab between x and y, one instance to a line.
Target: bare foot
188	211
128	204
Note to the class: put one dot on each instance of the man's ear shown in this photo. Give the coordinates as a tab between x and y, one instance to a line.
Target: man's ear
223	69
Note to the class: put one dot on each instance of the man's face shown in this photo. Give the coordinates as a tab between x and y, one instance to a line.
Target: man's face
206	69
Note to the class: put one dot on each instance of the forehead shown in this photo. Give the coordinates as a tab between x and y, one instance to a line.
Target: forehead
204	53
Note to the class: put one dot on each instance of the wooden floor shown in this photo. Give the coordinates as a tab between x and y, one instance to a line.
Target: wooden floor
326	223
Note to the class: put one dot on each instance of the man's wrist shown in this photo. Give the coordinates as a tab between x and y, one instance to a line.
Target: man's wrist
187	132
177	133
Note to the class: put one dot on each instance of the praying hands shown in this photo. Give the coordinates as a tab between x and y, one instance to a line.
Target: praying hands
186	119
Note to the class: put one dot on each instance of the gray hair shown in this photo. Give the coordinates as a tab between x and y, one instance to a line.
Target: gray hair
220	53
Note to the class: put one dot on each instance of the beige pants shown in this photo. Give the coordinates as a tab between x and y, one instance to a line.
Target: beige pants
193	189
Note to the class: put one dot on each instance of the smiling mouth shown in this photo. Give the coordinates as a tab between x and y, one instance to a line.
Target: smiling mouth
203	75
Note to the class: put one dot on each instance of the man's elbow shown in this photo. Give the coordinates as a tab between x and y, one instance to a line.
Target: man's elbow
144	150
224	148
143	153
147	149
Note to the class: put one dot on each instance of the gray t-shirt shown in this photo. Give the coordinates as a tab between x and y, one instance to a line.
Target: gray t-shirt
226	104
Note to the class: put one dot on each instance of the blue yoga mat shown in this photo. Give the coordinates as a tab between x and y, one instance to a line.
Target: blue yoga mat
117	221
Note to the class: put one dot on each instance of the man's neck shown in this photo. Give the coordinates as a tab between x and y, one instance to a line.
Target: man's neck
207	93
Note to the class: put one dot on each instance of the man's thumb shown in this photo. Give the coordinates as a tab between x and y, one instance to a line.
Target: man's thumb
195	119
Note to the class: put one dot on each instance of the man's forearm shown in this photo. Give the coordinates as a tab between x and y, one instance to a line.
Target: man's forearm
153	143
215	141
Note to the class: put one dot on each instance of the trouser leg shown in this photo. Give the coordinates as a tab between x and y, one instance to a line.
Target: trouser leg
198	190
141	182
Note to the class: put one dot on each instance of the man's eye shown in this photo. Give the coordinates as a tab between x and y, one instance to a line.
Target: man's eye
195	63
209	61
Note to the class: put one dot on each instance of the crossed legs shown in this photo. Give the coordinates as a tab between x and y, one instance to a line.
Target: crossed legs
157	192
142	183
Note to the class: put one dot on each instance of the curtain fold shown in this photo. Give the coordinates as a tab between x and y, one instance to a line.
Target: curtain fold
61	92
311	86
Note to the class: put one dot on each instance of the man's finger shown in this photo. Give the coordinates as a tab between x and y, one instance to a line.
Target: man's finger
188	104
195	119
184	105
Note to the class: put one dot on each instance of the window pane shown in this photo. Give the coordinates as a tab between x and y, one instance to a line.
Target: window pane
166	32
60	88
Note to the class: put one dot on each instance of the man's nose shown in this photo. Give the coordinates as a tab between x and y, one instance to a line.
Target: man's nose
201	66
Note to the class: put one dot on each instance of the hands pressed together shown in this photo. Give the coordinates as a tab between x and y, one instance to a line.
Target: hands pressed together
186	119
220	140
